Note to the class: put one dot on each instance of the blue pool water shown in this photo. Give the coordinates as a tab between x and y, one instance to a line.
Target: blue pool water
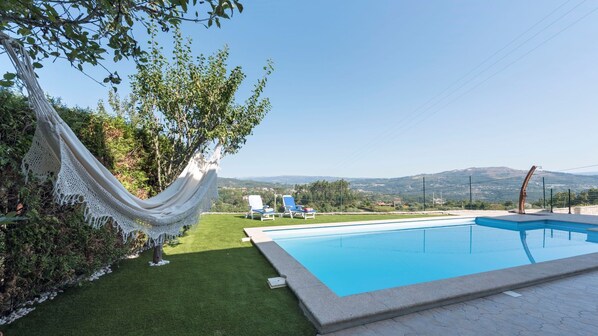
364	258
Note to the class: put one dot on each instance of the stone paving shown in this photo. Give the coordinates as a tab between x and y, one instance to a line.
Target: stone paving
564	307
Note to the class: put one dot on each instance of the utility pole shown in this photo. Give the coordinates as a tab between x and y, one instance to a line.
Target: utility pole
470	195
424	179
543	193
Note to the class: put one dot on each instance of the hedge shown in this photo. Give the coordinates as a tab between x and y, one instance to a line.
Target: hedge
53	247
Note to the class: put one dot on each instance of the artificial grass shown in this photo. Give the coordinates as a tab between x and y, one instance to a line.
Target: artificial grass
214	285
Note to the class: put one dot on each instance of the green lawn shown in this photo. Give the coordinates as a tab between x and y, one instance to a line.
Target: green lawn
214	285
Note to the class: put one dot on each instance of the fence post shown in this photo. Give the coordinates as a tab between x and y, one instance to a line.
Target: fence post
543	194
424	181
551	200
569	201
470	195
341	196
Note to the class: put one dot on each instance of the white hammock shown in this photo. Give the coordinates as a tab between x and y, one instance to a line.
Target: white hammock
79	177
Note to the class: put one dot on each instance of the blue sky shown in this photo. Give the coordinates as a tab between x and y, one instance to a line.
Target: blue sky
393	88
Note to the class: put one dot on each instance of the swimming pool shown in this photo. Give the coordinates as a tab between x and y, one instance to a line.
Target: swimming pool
329	311
363	258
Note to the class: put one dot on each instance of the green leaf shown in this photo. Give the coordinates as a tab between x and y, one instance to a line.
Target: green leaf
9	76
23	31
6	83
239	6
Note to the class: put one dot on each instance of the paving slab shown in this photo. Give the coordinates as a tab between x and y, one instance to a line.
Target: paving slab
552	308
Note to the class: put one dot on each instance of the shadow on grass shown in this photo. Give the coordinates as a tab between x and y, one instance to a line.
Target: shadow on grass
217	292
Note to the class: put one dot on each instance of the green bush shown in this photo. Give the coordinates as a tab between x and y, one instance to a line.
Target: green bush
382	208
328	196
54	246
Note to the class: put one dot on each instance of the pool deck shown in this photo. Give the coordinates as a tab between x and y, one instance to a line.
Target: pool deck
562	307
330	313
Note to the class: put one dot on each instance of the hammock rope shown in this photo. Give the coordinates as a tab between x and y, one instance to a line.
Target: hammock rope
79	178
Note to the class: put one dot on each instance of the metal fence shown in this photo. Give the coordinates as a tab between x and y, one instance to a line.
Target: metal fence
562	193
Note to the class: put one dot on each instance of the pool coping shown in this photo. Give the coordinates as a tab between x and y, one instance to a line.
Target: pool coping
329	312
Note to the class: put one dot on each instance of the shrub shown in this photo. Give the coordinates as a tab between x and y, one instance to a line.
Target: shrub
53	246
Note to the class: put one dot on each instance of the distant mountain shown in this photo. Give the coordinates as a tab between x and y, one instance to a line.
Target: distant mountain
491	184
488	183
588	173
238	183
291	179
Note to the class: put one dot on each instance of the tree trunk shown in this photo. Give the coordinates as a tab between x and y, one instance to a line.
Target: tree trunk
159	163
157	254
